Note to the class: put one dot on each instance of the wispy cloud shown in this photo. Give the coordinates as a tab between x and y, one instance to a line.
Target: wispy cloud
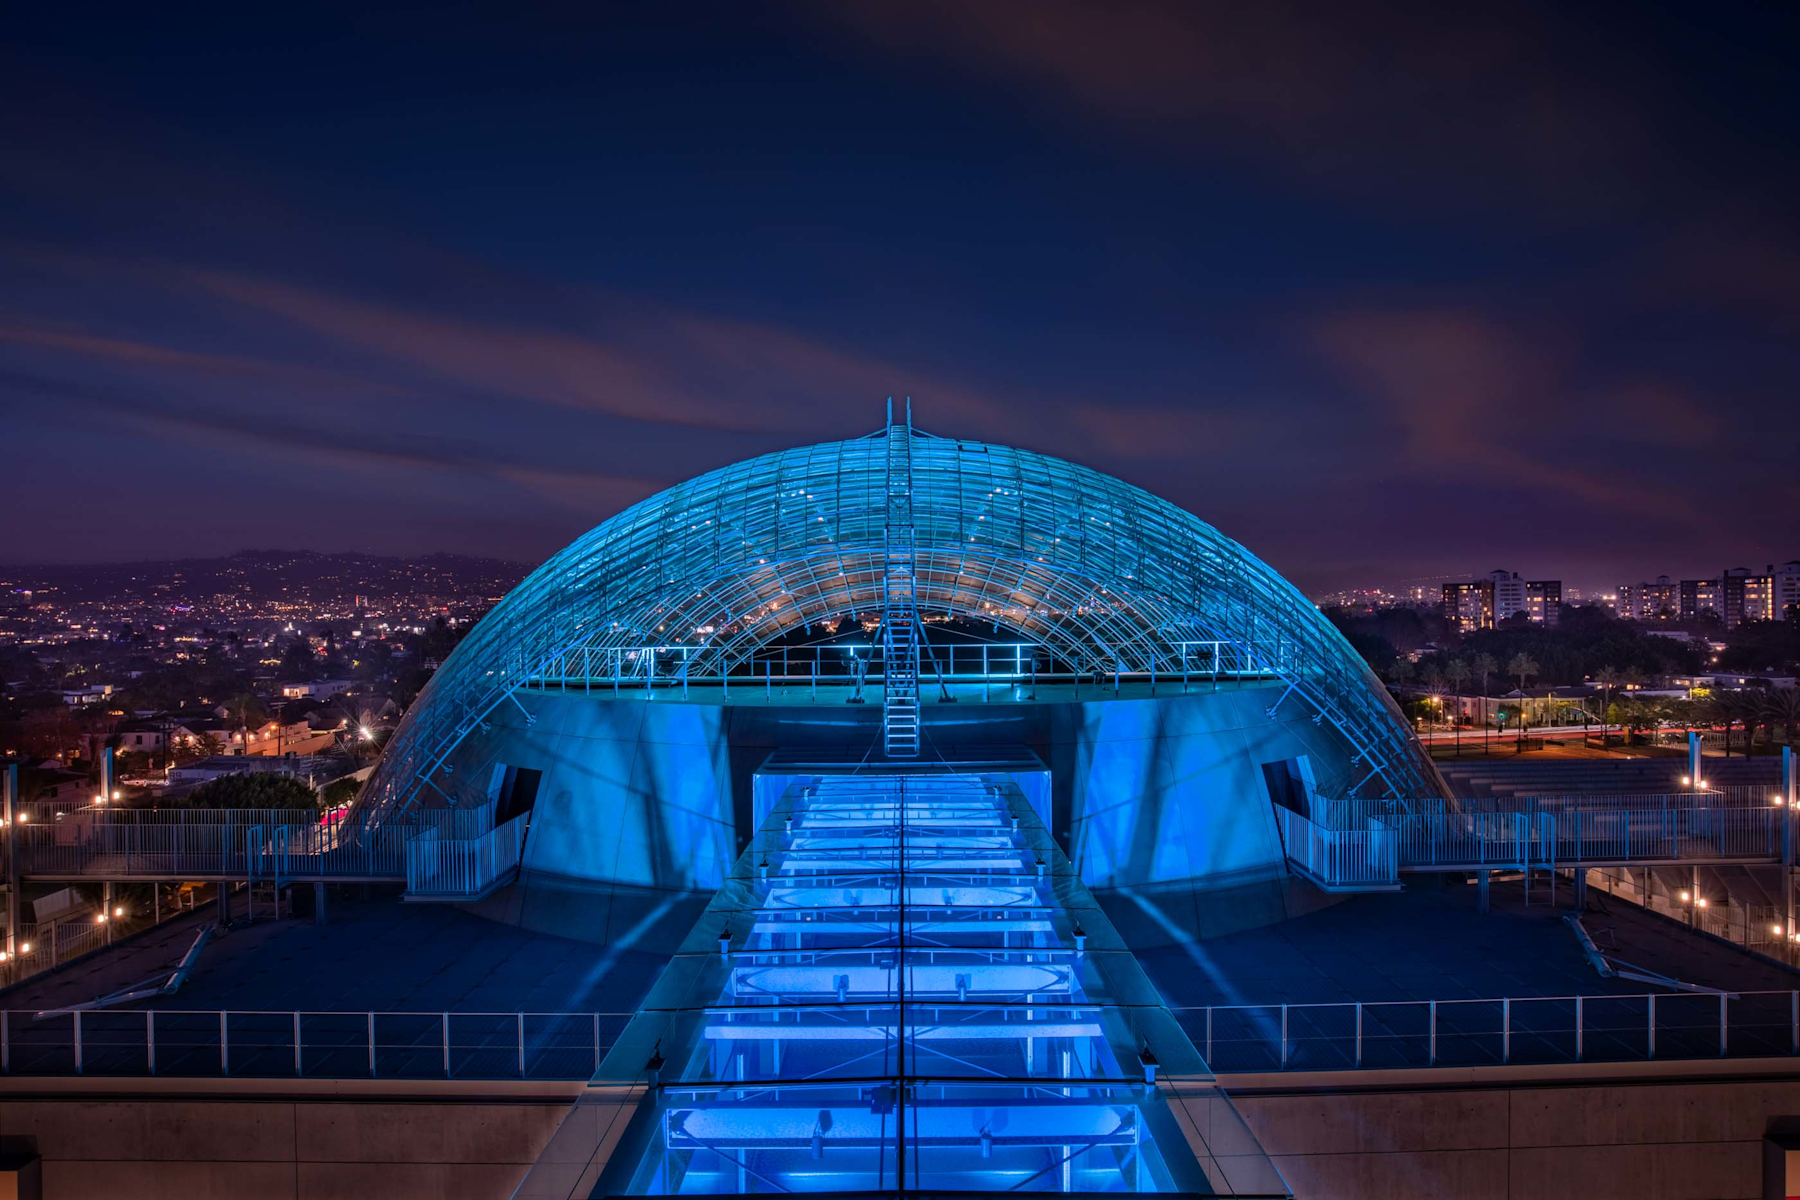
1466	100
1470	397
310	444
647	363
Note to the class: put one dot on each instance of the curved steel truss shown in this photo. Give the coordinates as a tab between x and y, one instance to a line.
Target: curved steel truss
1104	575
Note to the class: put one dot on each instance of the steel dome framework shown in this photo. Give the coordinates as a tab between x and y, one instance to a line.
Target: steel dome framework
1103	574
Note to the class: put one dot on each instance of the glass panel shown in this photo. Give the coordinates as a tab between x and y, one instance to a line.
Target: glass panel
903	985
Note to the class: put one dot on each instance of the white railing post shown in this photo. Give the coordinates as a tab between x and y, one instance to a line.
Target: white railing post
299	1064
1506	1029
371	1045
1284	1036
1650	1046
150	1039
78	1041
1433	1034
444	1021
224	1044
597	1022
1723	1025
521	1017
1209	1035
1359	1027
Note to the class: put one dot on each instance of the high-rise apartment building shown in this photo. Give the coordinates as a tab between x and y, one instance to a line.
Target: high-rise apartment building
1656	601
1699	596
1747	597
1469	606
1787	590
1483	603
1543	600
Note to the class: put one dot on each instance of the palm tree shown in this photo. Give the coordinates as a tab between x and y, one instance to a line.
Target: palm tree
1728	708
1750	713
1609	678
1485	665
1522	665
1433	679
1457	673
1782	707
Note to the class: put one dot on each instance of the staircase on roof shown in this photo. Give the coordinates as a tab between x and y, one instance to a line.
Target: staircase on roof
901	632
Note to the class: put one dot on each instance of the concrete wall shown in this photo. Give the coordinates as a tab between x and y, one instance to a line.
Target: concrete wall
1689	1140
1674	1139
1161	803
173	1148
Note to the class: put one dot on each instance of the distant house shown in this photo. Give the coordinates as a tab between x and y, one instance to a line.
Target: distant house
92	694
316	770
318	689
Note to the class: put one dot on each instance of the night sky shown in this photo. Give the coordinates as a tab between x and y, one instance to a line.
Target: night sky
1382	292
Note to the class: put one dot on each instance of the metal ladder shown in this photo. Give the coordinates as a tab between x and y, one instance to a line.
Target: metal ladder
900	629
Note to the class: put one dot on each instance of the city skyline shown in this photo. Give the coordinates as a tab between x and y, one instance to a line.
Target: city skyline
404	313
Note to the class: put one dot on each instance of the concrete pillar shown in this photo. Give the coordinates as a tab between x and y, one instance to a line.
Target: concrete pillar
1694	772
1481	891
108	776
106	909
224	904
1581	886
319	902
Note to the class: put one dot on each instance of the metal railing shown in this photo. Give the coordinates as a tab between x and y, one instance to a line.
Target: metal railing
232	843
1368	856
439	867
1758	927
1467	841
676	666
1233	1038
1339	813
1492	1032
296	1044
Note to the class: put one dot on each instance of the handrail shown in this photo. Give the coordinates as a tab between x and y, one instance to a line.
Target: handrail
437	866
1342	1035
1367	856
275	1043
1354	1035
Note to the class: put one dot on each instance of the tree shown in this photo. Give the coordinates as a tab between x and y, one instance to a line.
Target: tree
1522	665
1457	674
298	662
1781	706
259	789
341	792
1484	666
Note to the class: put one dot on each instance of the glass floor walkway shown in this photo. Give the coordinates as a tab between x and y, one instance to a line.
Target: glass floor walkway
903	988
